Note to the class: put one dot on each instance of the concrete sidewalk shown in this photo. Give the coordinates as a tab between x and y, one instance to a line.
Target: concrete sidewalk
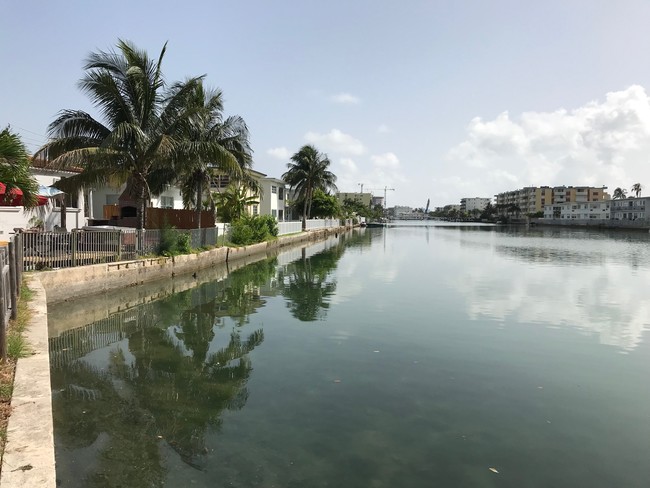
28	459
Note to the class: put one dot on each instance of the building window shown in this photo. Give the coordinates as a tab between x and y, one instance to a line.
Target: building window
71	201
280	214
274	213
166	202
220	181
274	189
254	209
281	193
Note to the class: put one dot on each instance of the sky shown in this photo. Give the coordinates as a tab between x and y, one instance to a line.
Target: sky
432	99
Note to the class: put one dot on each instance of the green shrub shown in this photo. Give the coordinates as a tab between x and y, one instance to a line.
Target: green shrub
270	223
183	243
253	229
173	242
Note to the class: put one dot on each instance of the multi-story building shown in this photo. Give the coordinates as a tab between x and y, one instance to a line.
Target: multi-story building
476	203
562	194
273	197
598	210
630	209
363	198
533	199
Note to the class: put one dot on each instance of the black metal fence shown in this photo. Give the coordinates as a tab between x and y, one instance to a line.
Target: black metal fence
80	247
10	280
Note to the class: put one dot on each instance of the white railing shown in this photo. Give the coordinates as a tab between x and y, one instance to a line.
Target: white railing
285	228
322	223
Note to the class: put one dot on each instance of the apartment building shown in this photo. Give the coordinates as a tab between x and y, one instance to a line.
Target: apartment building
631	209
534	199
363	198
476	203
598	210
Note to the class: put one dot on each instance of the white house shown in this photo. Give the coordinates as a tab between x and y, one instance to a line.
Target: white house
273	198
48	216
107	195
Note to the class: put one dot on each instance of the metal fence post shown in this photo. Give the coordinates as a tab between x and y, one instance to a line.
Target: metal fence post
74	239
12	279
119	245
18	239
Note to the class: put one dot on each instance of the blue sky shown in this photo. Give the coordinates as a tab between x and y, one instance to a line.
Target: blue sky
437	99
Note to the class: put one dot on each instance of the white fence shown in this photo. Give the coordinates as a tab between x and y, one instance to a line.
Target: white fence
293	227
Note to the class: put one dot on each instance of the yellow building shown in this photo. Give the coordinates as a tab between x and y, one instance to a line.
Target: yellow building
532	199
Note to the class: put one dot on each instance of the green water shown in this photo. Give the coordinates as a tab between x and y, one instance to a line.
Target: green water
412	356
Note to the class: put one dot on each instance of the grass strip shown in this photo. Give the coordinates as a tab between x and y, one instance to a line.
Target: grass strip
16	348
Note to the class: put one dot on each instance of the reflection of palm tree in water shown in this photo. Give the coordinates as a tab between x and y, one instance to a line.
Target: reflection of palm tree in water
306	287
167	388
163	396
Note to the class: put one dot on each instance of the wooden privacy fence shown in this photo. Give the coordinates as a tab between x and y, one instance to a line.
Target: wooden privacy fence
10	280
159	218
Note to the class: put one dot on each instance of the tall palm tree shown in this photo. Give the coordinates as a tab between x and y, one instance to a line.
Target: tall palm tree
309	171
14	168
619	193
636	188
143	130
231	133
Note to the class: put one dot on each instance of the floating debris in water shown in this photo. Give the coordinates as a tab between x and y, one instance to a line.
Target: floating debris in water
494	470
376	350
337	381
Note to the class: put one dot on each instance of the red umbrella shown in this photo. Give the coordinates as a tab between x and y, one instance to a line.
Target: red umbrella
15	197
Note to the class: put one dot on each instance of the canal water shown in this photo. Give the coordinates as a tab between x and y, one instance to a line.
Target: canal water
410	356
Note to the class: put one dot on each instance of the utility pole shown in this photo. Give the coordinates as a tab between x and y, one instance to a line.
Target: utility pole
361	185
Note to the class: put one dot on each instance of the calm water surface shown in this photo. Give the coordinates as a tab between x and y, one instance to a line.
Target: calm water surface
412	356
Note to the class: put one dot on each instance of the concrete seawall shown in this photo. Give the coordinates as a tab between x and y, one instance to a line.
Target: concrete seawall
29	452
64	284
641	225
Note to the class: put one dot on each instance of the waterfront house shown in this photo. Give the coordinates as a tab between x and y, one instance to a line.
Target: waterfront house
47	217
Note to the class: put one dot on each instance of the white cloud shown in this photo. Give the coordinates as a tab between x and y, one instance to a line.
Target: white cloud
600	143
279	152
383	129
345	98
386	160
336	141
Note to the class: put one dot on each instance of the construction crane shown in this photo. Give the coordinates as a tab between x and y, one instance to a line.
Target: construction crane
385	189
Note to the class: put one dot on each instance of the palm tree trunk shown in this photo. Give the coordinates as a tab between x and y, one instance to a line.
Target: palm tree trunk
142	205
64	213
199	196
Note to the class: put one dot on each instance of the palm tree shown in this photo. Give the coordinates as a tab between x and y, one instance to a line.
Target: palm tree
231	134
14	168
234	201
636	188
144	129
308	172
619	193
